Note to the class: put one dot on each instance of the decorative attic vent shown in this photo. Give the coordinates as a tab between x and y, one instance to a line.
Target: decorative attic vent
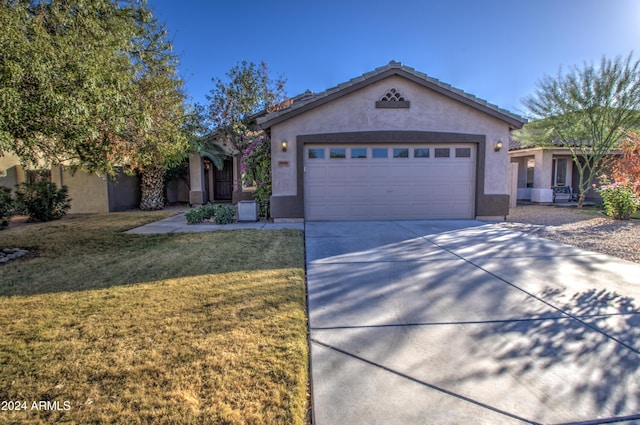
392	99
393	95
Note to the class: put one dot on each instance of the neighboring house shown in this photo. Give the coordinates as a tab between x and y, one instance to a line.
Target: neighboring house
89	193
543	170
391	144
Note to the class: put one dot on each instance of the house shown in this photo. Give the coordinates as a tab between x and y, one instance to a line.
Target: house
546	174
89	193
393	143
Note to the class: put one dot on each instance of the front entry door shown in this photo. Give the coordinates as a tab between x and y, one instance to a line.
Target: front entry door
223	182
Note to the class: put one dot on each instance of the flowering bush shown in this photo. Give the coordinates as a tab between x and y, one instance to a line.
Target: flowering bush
619	199
255	167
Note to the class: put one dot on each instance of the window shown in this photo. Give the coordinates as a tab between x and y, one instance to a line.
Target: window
463	152
530	167
421	152
316	153
401	152
380	152
443	152
358	152
337	153
559	172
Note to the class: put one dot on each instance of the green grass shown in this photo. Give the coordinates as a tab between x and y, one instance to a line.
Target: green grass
204	328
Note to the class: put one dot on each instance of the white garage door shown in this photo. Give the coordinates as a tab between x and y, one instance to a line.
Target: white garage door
389	182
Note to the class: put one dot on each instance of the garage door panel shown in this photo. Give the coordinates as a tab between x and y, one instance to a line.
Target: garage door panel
392	188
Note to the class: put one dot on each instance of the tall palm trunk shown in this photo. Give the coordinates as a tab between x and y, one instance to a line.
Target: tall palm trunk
152	189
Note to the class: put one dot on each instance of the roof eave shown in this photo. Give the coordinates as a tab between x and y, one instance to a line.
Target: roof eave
358	83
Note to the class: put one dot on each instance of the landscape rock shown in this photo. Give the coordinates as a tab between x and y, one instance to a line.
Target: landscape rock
10	254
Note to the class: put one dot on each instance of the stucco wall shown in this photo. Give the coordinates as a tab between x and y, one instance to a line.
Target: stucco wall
429	111
88	192
11	172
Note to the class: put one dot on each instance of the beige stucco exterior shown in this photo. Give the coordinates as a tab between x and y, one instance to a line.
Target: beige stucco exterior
11	172
359	112
89	193
429	111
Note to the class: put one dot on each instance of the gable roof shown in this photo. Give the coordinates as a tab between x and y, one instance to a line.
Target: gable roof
309	100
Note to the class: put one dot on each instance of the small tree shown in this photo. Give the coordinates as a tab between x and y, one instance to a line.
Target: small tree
586	111
233	104
229	118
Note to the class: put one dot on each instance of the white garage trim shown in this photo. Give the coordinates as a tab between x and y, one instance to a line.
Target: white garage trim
389	181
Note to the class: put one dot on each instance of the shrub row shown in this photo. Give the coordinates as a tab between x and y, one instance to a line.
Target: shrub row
222	213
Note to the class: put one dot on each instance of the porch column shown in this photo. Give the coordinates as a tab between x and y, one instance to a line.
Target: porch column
196	179
541	191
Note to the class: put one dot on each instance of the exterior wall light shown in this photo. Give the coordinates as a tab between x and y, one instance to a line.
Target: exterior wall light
284	145
498	145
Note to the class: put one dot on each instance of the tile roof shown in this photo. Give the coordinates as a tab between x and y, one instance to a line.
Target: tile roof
309	100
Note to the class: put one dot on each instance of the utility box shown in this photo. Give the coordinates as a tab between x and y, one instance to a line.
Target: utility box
247	211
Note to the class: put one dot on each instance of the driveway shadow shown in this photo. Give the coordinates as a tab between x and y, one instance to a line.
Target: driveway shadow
521	327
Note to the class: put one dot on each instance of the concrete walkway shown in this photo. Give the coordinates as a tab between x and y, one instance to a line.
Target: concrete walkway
178	224
462	322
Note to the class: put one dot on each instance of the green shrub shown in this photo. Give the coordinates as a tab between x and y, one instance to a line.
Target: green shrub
6	206
224	213
208	211
195	216
42	201
619	200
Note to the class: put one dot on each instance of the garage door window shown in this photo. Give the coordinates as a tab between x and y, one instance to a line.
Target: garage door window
442	152
401	152
316	153
421	152
358	153
380	152
337	153
463	152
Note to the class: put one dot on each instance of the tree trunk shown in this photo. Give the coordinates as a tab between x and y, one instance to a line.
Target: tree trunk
581	198
152	189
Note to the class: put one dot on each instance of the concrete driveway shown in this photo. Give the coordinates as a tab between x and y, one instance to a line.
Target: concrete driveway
463	322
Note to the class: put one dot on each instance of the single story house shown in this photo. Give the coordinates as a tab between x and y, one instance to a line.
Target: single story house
547	174
393	143
89	193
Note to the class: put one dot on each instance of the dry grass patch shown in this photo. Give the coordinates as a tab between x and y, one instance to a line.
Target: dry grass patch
175	329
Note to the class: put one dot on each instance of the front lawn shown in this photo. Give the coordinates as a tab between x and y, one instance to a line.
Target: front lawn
204	328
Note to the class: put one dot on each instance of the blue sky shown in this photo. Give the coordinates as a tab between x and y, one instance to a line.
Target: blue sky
494	49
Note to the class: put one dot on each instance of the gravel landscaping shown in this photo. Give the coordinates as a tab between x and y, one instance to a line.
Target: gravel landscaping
587	228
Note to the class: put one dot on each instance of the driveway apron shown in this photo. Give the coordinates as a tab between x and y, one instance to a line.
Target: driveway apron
454	322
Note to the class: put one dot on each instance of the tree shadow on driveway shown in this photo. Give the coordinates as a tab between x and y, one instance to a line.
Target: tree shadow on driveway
594	352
